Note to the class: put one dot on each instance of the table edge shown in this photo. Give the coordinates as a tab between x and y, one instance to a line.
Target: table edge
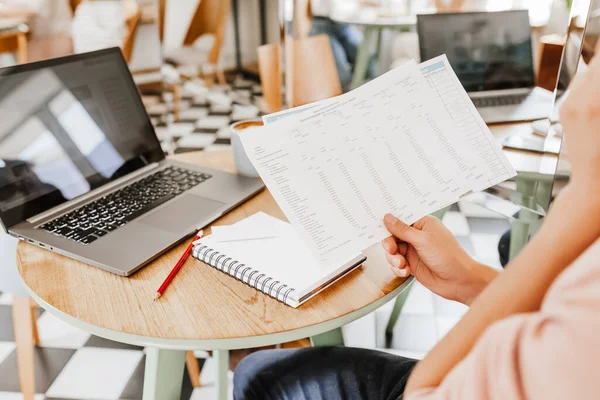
227	343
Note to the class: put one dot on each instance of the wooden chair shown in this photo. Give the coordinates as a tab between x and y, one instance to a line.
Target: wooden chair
15	41
311	74
133	15
210	17
73	4
24	315
551	52
269	70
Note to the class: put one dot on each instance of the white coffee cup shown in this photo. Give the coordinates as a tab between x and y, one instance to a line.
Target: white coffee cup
241	160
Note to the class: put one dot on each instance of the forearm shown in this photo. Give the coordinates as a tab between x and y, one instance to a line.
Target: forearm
480	277
566	232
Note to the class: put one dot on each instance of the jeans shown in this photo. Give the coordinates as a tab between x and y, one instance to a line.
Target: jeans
345	40
321	373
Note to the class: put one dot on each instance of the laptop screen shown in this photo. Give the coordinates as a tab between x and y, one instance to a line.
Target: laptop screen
488	50
68	126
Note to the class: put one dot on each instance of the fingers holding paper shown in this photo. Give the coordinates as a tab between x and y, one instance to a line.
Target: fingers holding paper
429	251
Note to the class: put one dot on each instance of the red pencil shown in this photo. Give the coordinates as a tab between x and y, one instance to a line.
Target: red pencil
177	267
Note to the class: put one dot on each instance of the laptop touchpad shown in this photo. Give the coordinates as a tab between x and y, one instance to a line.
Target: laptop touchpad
183	214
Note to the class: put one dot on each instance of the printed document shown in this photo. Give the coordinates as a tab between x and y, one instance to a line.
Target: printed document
409	142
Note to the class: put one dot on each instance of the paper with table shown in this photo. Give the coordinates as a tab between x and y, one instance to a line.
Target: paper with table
409	142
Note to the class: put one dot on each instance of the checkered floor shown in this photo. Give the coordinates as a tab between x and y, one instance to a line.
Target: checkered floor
71	364
205	114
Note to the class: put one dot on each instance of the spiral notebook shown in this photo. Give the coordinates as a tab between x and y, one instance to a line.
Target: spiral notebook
266	253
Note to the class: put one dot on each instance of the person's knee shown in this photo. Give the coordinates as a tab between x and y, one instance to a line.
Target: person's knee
245	373
247	376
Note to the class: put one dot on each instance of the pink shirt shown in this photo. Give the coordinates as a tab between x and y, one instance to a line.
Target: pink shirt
550	354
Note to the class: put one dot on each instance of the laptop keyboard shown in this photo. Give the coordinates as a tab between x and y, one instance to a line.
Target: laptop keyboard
96	219
481	102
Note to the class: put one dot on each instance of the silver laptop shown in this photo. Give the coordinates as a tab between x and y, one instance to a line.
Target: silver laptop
82	172
491	53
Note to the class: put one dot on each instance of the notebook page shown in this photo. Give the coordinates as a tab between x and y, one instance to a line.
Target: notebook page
388	146
283	257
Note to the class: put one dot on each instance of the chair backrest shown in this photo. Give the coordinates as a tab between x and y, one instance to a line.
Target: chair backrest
210	17
74	4
133	15
269	69
312	75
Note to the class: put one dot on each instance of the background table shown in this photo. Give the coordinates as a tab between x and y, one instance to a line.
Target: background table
203	308
402	17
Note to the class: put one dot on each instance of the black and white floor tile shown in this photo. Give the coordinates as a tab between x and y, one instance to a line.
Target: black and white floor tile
205	114
72	364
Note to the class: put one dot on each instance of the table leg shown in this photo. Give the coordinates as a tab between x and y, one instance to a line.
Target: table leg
362	59
24	324
222	363
378	51
22	54
398	305
334	337
164	374
543	193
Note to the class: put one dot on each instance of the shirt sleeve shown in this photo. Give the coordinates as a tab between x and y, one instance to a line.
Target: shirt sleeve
528	356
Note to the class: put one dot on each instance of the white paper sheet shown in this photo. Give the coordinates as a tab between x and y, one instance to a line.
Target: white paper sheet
338	166
445	83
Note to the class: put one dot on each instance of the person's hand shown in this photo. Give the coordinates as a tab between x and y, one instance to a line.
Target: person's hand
429	251
580	117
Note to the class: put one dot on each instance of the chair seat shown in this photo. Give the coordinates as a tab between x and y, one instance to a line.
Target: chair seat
10	281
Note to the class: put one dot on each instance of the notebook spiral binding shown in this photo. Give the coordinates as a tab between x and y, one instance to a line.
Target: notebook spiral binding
243	273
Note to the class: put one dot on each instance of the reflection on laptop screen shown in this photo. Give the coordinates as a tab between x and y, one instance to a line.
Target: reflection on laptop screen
488	50
69	126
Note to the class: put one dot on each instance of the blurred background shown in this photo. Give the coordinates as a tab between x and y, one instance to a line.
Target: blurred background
201	65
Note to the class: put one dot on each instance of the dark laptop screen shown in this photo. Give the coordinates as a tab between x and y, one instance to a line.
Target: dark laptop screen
68	126
488	50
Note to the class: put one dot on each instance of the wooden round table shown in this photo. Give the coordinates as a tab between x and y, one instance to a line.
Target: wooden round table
203	308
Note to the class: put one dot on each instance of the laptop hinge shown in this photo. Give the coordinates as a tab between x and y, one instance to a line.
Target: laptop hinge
94	193
501	92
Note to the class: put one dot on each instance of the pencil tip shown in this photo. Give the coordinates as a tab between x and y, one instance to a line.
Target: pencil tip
157	296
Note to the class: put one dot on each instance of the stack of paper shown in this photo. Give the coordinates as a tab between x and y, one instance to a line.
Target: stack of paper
409	142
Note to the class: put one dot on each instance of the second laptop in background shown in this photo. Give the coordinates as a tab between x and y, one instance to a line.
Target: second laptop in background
491	53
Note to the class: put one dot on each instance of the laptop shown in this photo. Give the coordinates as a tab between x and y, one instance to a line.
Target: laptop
82	172
491	53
